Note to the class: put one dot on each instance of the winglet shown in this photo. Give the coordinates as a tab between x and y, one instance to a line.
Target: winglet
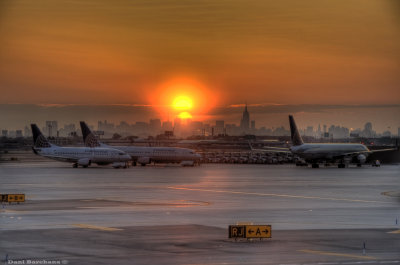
89	138
38	138
294	132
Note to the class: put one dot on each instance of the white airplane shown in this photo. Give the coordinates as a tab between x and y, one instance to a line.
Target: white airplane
79	156
315	153
146	155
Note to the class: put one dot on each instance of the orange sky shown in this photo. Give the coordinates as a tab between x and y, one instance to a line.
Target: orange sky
122	52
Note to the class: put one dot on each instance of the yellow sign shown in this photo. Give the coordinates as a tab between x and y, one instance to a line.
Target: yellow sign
258	231
249	231
12	197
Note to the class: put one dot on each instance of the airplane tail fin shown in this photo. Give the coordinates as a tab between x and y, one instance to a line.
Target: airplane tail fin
294	132
38	138
89	138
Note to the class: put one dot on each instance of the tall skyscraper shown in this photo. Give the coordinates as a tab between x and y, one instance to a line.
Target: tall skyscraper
52	128
245	122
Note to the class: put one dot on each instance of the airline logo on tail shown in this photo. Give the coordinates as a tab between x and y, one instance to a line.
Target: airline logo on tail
38	139
294	132
89	138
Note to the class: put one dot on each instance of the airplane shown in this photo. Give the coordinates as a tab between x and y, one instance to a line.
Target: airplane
145	155
79	156
315	153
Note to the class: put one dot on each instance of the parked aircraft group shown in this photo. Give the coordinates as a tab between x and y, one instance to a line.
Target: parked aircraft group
99	153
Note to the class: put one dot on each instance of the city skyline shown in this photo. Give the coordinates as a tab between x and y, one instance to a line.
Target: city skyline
183	127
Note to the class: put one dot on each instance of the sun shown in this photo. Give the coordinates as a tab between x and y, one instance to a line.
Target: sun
181	96
185	115
182	103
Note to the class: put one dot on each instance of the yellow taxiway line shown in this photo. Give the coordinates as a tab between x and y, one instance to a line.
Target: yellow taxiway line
394	232
277	195
95	227
335	254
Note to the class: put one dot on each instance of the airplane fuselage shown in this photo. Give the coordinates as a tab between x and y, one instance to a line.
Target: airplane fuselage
76	154
322	151
160	154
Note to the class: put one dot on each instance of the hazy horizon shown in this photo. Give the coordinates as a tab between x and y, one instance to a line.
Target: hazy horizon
16	116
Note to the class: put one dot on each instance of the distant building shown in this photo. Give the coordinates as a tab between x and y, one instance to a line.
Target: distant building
108	128
4	133
51	128
386	134
167	126
338	132
155	126
309	131
68	130
245	122
253	125
368	132
177	126
18	133
219	127
27	131
398	132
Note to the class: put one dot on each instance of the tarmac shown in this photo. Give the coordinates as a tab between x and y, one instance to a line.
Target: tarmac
167	214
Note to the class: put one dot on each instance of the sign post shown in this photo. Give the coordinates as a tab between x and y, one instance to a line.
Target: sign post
250	231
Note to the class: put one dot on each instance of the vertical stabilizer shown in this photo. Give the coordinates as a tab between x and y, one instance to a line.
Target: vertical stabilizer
38	138
89	138
294	132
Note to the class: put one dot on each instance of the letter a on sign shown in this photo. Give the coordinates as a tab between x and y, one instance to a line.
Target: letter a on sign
258	231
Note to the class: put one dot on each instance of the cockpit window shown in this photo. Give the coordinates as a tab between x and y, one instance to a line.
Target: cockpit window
121	154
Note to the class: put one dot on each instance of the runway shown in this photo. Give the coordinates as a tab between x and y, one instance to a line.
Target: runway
180	215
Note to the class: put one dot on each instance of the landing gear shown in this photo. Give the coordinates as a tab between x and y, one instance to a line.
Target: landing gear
75	165
315	165
341	165
358	165
134	163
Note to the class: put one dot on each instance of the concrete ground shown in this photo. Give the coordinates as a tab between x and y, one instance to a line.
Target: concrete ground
179	215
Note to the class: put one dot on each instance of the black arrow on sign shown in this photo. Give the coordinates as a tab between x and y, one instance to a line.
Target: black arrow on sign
251	231
265	231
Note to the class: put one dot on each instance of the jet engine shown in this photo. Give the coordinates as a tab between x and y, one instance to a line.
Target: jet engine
188	163
143	160
119	165
361	158
84	162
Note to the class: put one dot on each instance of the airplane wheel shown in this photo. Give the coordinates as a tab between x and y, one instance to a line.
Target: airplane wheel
85	166
358	165
341	166
315	165
74	165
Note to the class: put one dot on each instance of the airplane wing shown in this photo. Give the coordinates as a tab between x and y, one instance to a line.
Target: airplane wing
384	150
369	152
270	149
